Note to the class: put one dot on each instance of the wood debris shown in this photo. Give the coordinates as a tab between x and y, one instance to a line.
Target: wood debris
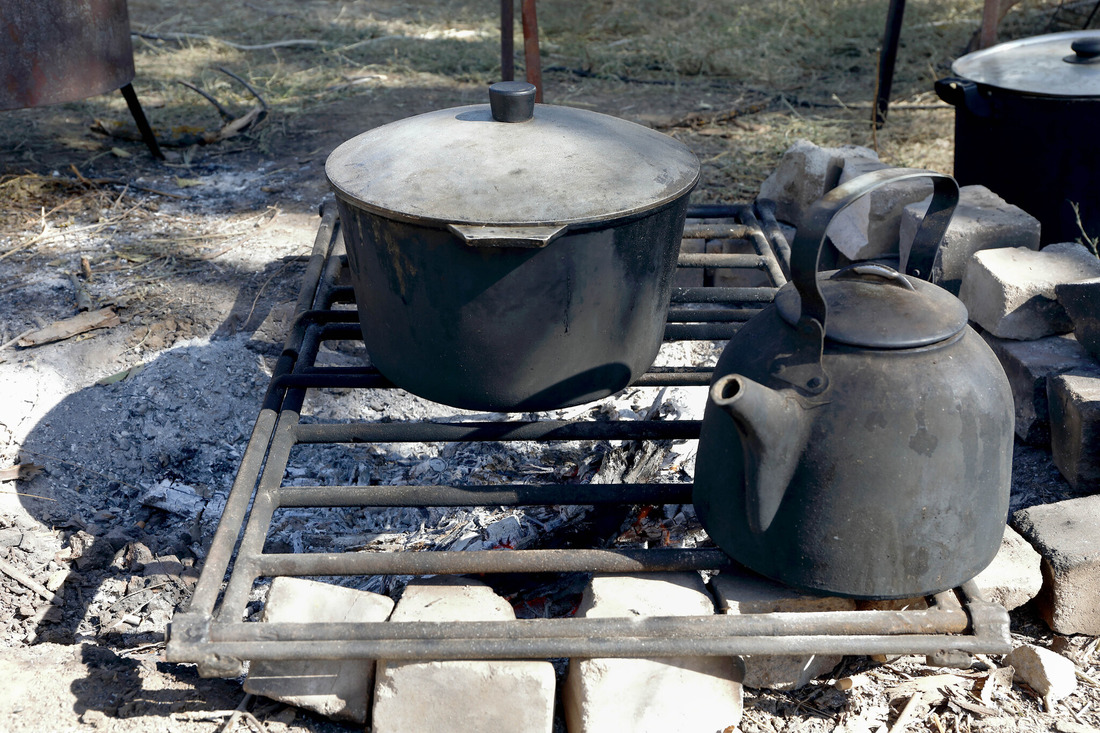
69	327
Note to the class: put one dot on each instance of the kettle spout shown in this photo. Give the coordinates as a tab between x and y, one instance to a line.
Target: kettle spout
773	426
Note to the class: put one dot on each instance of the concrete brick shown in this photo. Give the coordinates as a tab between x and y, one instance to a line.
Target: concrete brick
460	696
870	228
1075	428
750	593
1067	535
1028	365
1010	292
1014	577
1082	302
669	695
804	174
337	689
982	220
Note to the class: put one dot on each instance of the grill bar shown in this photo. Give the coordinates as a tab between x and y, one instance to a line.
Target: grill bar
211	631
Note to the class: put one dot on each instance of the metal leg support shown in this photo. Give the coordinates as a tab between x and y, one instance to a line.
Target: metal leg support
143	124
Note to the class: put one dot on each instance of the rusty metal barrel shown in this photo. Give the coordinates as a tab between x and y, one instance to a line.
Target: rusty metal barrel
55	51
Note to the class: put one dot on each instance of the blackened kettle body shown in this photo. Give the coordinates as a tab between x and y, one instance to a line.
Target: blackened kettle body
858	435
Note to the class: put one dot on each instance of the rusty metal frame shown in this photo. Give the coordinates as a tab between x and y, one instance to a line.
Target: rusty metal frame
212	633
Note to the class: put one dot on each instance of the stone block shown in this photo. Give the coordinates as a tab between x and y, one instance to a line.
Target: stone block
870	228
1010	292
1075	428
1014	577
460	696
339	689
1082	302
804	174
982	220
1028	365
667	695
751	593
1065	534
1048	673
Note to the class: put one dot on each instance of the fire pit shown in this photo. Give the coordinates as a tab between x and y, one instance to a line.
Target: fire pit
211	632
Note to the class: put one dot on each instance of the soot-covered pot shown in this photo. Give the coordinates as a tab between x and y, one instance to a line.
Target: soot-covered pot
512	256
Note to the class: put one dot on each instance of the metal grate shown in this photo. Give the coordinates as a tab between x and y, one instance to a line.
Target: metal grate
212	633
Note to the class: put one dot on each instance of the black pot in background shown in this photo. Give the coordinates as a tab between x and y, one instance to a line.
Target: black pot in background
1026	121
512	259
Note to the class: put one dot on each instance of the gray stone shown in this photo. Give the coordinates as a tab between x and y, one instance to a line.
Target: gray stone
1065	534
1014	577
1082	302
749	593
870	228
804	174
1048	673
1028	365
667	695
982	220
1075	428
338	689
461	696
1010	291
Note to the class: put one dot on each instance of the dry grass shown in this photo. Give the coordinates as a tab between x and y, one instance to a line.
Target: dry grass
815	59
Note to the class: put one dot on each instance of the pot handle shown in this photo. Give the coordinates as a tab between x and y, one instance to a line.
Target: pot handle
963	93
803	367
527	237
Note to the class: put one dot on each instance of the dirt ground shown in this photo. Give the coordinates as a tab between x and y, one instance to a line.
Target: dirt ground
191	264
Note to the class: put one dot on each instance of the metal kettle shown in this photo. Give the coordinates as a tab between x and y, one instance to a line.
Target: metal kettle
858	434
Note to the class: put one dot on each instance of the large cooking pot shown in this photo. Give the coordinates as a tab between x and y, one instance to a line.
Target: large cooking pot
857	439
1025	127
512	256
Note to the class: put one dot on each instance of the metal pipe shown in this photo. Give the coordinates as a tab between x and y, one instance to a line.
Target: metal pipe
753	262
507	40
723	295
414	649
895	13
252	462
713	626
711	315
540	430
700	331
494	495
717	231
487	561
531	58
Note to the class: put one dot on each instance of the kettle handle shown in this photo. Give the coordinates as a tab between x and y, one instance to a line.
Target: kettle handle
810	238
802	367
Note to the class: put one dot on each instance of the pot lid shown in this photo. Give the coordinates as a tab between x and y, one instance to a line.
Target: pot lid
553	165
874	306
1052	65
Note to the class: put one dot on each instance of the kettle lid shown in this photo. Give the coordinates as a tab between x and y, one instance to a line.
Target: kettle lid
874	306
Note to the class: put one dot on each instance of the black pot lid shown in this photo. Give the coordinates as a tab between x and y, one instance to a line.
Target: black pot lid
1053	65
876	307
559	166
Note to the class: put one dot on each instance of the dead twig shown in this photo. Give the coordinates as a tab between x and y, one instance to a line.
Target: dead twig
239	46
226	115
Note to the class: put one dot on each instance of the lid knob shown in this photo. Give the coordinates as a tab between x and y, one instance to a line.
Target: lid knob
512	101
1086	51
